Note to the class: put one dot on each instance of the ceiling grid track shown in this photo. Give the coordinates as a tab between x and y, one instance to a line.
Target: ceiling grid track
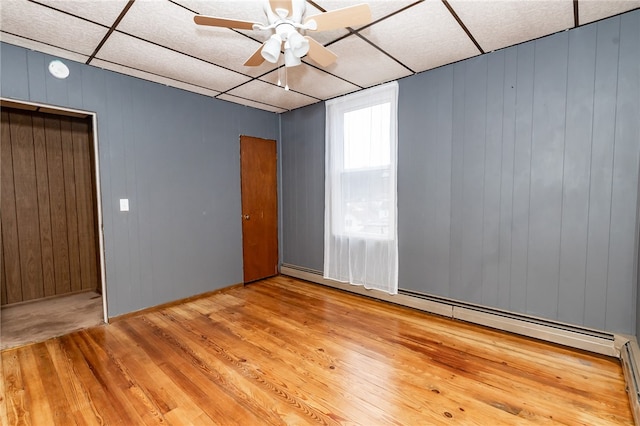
462	25
111	30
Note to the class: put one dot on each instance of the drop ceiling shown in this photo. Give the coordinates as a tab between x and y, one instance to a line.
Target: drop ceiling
157	40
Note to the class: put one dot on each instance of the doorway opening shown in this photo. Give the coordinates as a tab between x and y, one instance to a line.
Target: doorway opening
53	279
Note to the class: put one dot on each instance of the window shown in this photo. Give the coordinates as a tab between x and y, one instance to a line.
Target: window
360	198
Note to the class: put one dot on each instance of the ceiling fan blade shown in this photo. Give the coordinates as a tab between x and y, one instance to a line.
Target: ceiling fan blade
320	54
281	4
212	21
351	16
255	59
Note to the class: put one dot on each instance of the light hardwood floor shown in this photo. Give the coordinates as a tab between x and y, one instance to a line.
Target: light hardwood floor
283	351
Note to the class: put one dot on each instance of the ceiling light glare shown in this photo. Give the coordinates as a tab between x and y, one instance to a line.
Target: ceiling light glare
58	69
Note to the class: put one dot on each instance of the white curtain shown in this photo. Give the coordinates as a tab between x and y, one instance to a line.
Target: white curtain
360	244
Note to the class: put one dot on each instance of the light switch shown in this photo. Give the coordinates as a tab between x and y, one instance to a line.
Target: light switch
124	204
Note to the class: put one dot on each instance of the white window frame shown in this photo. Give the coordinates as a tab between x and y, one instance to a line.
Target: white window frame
335	167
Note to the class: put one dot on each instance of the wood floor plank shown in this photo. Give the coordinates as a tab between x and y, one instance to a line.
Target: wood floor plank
35	395
16	408
78	399
283	351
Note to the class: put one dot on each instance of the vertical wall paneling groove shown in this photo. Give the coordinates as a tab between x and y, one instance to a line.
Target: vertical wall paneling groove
620	302
71	200
44	208
517	178
522	177
507	161
602	149
26	196
547	160
3	276
473	182
576	174
10	247
81	132
58	205
425	247
443	124
457	172
492	178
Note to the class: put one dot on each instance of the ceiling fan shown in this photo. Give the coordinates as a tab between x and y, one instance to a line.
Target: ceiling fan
285	20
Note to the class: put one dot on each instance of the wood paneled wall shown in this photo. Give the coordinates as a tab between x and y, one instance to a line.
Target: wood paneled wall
517	178
49	226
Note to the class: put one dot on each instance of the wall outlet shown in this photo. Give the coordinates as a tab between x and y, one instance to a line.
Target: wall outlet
124	204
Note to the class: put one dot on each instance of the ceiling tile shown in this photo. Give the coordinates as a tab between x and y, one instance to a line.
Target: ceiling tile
311	81
41	47
362	64
45	25
152	77
379	10
593	10
272	95
244	10
431	27
170	25
104	12
135	53
500	23
250	103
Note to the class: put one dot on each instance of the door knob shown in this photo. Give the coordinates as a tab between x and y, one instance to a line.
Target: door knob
246	217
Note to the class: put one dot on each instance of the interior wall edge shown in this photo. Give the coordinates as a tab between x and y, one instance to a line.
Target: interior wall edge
551	331
630	359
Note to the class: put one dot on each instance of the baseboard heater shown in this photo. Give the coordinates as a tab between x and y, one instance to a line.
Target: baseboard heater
563	334
622	347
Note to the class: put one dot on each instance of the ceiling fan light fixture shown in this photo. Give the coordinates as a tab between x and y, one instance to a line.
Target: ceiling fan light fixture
271	49
285	18
298	44
290	58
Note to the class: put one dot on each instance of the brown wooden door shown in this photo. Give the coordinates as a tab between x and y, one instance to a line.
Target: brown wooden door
259	207
48	216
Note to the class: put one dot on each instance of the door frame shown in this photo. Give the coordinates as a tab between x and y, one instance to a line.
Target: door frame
278	207
52	109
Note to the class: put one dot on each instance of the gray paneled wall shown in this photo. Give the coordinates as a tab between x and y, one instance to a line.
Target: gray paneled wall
517	181
175	155
302	160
